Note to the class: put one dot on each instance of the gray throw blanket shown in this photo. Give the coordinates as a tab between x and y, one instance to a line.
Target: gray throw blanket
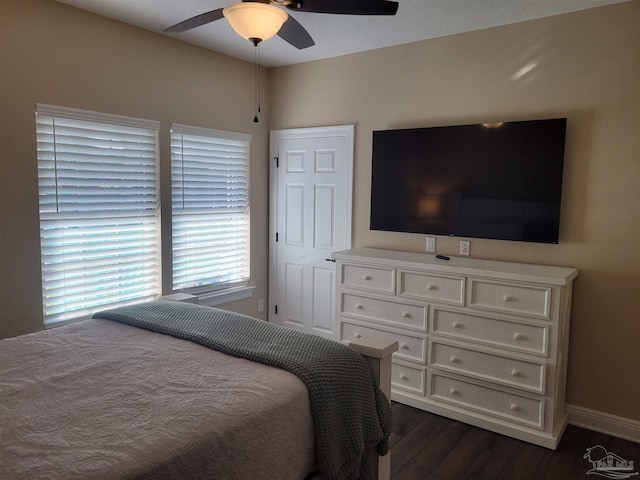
351	415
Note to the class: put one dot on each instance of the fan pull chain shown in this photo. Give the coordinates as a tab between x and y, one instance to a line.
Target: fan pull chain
256	74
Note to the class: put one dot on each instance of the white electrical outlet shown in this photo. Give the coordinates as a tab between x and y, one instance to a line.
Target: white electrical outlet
431	244
260	306
465	245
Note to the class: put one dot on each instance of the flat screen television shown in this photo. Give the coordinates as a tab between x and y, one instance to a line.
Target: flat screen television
494	180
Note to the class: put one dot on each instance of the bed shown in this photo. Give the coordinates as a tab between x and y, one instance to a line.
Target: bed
169	390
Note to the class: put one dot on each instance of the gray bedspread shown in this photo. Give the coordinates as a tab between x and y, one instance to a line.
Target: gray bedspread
101	400
352	417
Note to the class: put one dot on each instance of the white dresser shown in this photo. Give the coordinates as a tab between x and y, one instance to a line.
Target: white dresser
484	342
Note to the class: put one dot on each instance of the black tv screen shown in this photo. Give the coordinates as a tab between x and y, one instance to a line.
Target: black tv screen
495	180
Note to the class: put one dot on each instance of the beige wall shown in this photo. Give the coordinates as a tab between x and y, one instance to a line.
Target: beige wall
55	54
587	68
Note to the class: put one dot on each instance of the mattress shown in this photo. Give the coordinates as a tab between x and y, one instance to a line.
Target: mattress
104	400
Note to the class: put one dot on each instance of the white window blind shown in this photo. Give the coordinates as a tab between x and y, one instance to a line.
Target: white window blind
99	211
210	207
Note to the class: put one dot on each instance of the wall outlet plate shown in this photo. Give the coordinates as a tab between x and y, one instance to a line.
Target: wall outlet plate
431	244
465	246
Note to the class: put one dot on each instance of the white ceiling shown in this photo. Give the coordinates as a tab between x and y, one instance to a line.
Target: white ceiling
334	35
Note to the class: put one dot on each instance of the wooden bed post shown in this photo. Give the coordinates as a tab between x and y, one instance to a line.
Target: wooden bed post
377	352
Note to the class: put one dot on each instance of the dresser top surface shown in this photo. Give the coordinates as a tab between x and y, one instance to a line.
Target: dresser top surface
460	265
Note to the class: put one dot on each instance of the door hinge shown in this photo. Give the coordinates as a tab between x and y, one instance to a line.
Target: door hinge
277	236
277	159
276	308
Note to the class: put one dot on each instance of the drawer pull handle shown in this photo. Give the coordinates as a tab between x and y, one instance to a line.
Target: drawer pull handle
366	277
454	359
508	298
431	287
515	373
456	325
404	346
359	307
518	336
406	315
358	335
403	376
514	407
453	391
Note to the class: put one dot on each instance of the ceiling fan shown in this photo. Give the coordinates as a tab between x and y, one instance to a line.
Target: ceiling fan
258	20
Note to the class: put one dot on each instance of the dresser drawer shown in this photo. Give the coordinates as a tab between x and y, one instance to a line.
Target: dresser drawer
506	405
368	278
431	287
384	311
410	347
524	337
517	299
507	371
407	378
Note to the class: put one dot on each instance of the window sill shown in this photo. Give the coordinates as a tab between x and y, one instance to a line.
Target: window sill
211	299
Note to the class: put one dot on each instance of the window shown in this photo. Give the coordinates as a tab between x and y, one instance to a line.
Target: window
210	208
99	213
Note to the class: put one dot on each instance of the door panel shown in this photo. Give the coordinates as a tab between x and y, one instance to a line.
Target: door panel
293	211
324	216
323	309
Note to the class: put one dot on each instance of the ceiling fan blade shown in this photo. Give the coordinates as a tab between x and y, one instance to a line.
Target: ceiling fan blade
196	21
294	33
346	7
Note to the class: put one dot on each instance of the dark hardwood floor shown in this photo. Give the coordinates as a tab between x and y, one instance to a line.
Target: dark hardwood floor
427	446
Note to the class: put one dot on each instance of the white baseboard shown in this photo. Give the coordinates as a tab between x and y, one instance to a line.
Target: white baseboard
604	423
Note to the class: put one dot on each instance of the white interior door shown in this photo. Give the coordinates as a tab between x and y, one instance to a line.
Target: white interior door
310	210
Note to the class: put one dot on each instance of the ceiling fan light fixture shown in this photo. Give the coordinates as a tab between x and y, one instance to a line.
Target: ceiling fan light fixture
255	21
